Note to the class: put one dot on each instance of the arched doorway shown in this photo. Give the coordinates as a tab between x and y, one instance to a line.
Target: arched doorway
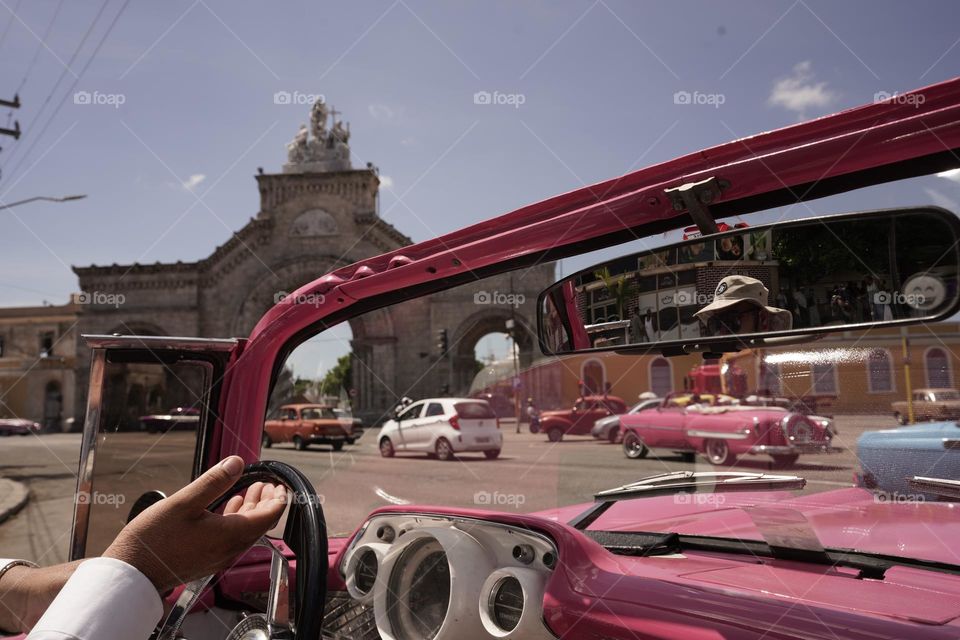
508	333
661	376
937	365
593	378
52	406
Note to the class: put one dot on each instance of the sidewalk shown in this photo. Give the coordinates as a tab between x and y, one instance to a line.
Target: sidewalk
13	496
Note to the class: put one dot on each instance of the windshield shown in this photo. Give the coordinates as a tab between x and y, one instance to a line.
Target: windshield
945	395
522	436
317	413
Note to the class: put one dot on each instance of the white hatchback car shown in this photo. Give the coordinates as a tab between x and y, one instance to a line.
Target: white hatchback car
443	427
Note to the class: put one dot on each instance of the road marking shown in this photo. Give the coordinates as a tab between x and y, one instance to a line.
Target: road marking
389	498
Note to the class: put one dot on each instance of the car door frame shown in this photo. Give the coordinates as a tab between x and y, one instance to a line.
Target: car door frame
217	354
429	427
289	427
402	431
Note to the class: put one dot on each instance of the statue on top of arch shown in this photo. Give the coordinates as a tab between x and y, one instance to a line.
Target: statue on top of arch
318	148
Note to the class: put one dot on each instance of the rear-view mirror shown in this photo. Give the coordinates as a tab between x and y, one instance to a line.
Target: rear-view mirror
760	285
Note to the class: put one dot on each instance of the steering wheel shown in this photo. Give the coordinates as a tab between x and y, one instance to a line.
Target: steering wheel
306	534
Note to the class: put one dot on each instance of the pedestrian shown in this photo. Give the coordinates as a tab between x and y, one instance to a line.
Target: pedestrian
638	333
533	416
648	326
812	308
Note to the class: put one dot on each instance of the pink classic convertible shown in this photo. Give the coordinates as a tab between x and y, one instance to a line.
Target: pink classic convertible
685	554
723	432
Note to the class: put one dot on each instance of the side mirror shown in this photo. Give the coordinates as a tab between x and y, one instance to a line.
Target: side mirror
772	284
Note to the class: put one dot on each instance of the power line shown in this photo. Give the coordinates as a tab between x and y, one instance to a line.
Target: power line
40	44
67	68
36	54
13	18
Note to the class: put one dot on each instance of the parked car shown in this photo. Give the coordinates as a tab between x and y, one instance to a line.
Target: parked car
307	424
18	427
501	404
356	424
178	418
580	418
890	457
723	432
609	428
443	427
929	404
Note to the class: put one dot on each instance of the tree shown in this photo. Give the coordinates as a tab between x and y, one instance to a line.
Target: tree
620	289
339	377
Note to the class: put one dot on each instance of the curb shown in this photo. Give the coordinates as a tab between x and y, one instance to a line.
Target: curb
13	497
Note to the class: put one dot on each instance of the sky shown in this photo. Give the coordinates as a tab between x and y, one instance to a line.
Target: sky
182	107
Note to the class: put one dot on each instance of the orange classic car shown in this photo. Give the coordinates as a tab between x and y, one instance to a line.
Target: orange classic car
306	424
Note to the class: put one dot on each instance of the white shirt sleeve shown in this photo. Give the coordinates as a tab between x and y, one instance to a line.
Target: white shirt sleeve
104	599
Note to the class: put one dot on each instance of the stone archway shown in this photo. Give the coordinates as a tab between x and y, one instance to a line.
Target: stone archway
285	279
482	323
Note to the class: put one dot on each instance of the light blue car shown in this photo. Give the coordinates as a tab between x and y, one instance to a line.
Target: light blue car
889	458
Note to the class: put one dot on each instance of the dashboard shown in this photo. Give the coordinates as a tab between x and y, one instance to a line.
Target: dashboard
442	577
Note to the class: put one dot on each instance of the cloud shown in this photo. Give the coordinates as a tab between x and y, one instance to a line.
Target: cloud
381	112
193	181
800	91
386	182
942	200
950	174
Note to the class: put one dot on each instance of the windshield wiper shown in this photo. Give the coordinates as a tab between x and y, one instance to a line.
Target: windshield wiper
870	565
939	486
686	482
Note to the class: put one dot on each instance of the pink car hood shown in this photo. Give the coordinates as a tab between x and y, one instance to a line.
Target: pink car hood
843	519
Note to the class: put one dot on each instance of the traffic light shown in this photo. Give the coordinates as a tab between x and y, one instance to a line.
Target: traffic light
443	342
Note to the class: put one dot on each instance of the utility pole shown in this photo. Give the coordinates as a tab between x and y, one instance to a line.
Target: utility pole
905	346
14	104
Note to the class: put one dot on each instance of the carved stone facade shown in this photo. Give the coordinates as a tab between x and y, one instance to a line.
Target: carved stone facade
310	222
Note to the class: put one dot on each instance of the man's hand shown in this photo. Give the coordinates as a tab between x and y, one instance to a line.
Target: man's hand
25	593
177	540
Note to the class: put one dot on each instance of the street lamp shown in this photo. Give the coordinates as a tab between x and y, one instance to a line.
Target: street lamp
511	326
47	198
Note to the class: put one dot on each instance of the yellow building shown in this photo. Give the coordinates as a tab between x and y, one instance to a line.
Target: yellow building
38	358
848	372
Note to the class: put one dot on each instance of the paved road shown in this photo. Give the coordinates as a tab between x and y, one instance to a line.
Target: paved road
531	474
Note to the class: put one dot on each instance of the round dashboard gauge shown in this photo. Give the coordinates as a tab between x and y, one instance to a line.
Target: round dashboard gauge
419	591
365	572
506	603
